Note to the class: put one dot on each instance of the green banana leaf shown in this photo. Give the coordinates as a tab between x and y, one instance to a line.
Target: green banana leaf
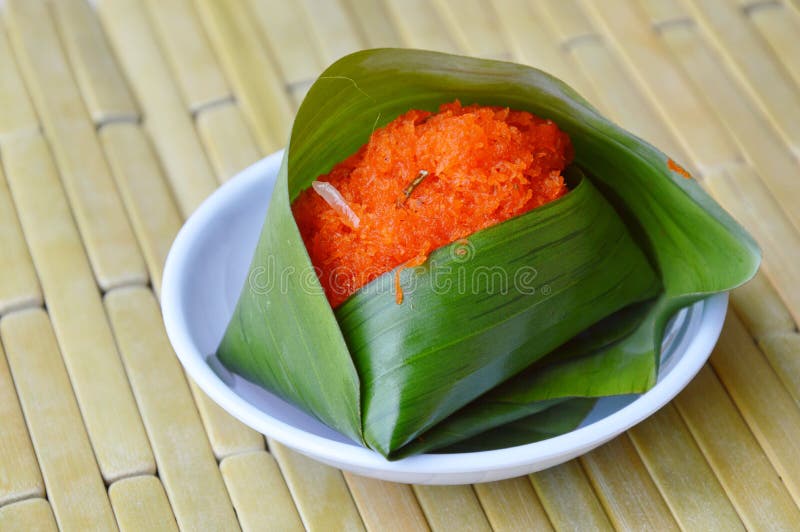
515	399
553	421
359	378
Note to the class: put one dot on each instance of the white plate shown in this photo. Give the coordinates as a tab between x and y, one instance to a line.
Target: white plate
205	271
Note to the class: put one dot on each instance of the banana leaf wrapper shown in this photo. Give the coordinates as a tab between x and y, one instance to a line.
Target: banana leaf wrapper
504	338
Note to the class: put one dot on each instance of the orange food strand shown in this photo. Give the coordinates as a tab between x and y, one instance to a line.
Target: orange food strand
678	169
398	289
484	165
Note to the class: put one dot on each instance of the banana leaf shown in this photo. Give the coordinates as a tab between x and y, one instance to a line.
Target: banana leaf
384	374
516	399
552	421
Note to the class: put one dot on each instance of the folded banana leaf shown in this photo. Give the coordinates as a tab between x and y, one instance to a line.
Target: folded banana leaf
551	421
507	404
634	239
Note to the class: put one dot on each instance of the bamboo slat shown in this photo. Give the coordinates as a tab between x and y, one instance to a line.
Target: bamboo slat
144	191
420	26
569	21
681	473
100	80
769	410
756	138
750	482
701	135
512	505
625	489
166	119
73	302
740	191
319	491
452	508
74	485
749	5
568	498
532	42
228	435
33	515
756	68
96	206
19	286
259	493
18	116
624	100
374	24
760	308
186	464
385	505
666	13
284	27
332	30
779	25
227	139
140	503
193	62
781	350
474	26
20	477
250	71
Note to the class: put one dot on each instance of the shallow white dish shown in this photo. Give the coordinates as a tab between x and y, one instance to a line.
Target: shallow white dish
205	271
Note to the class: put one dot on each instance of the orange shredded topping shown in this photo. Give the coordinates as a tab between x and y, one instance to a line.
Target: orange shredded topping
398	289
678	169
424	181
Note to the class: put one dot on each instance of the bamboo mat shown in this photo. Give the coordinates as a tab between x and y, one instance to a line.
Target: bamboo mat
117	120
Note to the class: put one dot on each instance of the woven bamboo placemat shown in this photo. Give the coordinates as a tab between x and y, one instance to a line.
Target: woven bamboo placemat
117	120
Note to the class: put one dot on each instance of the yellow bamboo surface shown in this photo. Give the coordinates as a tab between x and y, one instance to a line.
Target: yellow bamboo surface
105	93
33	515
140	504
118	117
